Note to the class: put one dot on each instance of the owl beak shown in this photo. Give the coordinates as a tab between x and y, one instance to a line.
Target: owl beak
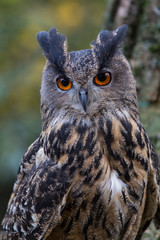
83	95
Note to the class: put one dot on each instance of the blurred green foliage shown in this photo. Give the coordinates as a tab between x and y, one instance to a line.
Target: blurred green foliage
21	64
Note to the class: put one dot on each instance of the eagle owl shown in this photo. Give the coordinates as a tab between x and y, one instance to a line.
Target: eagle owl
92	174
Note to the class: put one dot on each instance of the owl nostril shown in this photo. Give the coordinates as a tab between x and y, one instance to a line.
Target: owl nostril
83	91
83	98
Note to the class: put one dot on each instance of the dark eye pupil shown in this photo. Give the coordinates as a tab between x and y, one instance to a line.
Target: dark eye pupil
102	77
64	82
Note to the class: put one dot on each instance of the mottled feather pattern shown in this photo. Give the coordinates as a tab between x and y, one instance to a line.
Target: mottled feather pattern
83	163
93	173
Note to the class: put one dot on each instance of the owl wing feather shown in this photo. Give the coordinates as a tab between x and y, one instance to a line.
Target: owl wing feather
38	197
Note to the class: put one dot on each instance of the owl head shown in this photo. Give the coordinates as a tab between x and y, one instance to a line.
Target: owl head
88	82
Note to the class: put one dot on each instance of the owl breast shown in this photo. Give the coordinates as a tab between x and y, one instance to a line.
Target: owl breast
106	184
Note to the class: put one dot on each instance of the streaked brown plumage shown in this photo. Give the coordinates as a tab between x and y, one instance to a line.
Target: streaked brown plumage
93	173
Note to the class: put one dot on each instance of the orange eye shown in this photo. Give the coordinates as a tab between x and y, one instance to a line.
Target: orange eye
102	79
64	83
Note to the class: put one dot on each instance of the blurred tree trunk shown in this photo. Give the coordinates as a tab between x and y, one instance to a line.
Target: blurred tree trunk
133	19
111	14
129	12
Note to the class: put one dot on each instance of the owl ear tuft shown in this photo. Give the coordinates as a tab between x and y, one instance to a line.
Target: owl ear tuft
115	37
42	38
54	46
108	42
119	35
